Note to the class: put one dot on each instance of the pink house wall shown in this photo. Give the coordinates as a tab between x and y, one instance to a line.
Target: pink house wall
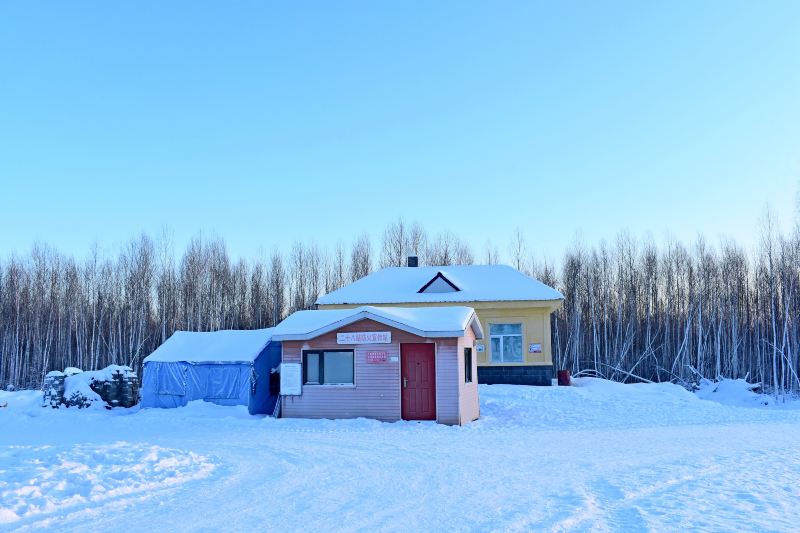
468	399
376	393
447	381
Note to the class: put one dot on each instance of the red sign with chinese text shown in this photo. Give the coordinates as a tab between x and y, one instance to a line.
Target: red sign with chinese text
376	357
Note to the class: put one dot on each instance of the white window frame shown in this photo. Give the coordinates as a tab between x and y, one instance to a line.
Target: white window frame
321	352
521	336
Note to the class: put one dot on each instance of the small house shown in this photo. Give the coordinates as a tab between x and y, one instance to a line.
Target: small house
513	308
231	367
385	363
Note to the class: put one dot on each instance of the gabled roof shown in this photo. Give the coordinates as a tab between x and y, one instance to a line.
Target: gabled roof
439	283
421	321
475	283
226	346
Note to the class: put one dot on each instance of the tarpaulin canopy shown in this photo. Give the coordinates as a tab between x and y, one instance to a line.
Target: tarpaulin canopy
225	367
230	345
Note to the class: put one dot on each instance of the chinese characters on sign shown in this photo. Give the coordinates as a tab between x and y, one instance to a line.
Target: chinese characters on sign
376	357
364	337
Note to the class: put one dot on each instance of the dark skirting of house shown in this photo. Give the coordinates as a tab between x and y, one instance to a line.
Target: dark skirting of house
516	375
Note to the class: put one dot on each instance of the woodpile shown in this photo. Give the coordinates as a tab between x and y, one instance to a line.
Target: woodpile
115	386
53	389
121	391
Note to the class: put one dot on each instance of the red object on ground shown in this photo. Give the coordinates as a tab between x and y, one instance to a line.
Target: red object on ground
563	378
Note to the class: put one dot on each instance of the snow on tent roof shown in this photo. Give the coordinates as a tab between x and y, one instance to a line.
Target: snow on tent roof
475	283
422	321
226	346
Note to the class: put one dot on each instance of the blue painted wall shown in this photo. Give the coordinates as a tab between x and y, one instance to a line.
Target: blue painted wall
261	401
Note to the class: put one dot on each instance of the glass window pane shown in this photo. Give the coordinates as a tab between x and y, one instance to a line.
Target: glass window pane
467	365
312	368
338	368
512	348
497	354
505	329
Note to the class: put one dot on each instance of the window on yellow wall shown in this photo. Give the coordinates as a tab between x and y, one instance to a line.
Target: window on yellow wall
505	343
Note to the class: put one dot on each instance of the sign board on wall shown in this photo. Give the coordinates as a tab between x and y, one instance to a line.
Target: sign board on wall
535	347
291	379
376	357
480	347
364	337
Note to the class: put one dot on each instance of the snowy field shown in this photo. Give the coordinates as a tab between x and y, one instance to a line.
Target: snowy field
597	456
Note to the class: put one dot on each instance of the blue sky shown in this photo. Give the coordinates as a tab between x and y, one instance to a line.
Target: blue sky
266	123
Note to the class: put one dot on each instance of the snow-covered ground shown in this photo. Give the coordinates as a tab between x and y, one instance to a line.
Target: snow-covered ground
596	456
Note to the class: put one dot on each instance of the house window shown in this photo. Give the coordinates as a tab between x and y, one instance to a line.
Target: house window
328	367
467	365
506	343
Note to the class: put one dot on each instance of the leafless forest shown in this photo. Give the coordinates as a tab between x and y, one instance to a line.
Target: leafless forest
633	310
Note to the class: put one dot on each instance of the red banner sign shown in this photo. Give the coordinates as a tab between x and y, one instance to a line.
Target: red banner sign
376	357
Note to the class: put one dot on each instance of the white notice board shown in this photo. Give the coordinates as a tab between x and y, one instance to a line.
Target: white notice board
291	379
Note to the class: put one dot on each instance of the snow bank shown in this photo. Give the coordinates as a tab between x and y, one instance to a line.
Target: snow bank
78	391
599	403
27	401
54	479
734	392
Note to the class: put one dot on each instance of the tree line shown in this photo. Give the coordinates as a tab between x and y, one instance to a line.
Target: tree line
633	310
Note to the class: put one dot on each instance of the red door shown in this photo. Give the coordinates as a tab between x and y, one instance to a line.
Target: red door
418	375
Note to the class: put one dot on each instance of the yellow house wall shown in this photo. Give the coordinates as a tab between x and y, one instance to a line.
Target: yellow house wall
534	317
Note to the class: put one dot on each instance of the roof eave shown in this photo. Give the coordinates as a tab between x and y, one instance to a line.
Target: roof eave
475	324
400	302
216	362
447	334
361	315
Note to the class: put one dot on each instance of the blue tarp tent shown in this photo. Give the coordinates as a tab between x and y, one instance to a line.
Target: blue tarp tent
230	367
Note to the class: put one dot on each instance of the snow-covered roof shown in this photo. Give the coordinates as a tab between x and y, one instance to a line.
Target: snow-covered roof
226	346
422	321
466	283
